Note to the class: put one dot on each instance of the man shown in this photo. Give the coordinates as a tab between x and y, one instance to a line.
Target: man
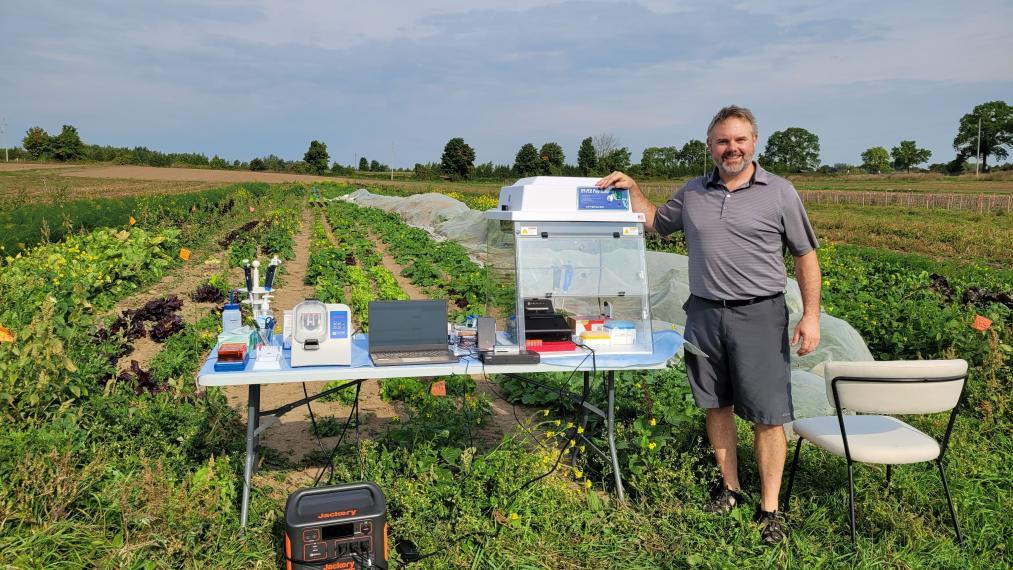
737	222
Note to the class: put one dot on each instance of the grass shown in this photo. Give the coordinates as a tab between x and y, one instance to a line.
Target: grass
929	183
960	236
158	499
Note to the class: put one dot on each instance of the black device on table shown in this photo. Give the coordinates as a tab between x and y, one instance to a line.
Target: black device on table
542	322
340	527
408	332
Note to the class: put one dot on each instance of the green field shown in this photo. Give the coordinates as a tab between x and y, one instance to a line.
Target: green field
142	470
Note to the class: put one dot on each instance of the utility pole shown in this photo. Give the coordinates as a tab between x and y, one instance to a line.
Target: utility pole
391	161
3	133
977	155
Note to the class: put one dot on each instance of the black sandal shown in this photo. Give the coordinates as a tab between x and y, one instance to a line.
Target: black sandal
724	501
772	526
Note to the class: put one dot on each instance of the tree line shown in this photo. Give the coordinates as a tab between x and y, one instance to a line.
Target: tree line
68	146
792	150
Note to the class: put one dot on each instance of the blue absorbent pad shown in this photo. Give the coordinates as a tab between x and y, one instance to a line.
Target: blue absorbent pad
666	344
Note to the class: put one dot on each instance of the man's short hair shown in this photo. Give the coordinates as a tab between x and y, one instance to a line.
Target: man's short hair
729	112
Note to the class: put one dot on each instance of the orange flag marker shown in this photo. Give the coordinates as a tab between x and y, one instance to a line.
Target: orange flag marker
981	323
438	388
184	254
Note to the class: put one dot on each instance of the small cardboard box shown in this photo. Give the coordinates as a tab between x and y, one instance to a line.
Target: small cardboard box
581	324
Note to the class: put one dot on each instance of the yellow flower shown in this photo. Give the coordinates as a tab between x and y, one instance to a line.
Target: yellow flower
654	422
580	430
581	448
514	516
578	474
652	445
545	412
587	483
569	425
559	422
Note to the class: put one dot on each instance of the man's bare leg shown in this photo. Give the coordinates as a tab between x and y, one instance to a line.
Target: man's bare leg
771	447
723	438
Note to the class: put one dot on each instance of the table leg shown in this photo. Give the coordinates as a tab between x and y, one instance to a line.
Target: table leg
610	384
252	447
583	415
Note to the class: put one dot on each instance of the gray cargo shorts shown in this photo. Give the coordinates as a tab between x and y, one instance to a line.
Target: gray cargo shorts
748	364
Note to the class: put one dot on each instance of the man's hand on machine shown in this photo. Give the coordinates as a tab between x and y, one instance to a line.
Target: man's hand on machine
618	180
808	331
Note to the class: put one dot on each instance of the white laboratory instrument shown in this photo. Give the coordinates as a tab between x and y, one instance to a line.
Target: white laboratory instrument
321	334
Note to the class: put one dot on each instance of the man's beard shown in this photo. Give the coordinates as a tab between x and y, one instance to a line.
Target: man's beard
733	170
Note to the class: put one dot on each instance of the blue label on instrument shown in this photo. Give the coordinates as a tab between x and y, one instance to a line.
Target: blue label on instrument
594	198
339	324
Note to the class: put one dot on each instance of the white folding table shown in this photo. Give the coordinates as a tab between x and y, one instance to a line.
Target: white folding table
666	345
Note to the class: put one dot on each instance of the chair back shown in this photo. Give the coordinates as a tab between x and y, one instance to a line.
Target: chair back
896	386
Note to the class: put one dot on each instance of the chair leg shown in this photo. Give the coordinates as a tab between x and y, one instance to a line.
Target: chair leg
791	476
851	499
949	501
888	472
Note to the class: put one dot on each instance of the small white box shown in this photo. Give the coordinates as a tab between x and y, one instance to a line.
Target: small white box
622	332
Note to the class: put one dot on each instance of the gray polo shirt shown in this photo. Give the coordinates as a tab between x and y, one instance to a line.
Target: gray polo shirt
736	240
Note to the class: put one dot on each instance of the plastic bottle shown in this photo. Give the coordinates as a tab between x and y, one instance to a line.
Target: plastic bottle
232	317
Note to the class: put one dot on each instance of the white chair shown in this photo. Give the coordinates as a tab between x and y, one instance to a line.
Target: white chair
884	387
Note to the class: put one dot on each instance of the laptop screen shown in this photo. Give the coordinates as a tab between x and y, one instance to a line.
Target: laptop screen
407	325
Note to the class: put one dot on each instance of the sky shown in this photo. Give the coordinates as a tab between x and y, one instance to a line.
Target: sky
395	80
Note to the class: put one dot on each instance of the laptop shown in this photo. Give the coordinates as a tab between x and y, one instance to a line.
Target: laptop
408	332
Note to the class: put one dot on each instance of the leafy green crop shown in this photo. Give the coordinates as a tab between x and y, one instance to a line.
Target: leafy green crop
892	302
26	225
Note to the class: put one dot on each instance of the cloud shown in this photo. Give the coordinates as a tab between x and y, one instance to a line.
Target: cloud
242	79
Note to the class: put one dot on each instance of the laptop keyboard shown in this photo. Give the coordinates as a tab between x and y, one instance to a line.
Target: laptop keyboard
413	354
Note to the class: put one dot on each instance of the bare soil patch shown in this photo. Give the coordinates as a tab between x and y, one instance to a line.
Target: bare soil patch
16	166
49	185
192	174
59	182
